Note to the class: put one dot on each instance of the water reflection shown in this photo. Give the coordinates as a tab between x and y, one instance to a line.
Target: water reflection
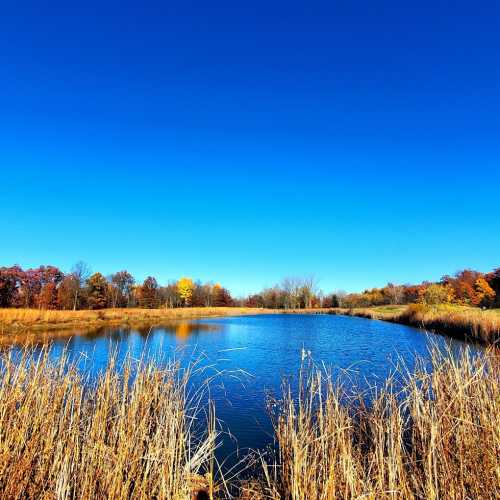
182	330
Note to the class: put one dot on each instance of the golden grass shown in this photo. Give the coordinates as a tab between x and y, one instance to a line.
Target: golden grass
16	320
131	434
138	432
438	437
464	322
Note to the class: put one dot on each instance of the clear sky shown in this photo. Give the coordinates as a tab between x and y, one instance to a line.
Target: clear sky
358	141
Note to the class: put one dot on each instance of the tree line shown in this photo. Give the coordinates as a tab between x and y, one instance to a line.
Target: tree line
47	287
466	287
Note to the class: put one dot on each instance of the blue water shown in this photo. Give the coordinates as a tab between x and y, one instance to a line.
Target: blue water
250	355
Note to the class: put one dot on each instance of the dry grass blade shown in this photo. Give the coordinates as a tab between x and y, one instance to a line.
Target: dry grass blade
130	434
437	436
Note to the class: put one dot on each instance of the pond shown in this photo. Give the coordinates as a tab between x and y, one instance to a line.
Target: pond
252	354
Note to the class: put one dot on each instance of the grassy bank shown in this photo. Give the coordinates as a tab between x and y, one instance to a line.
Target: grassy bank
131	434
462	322
468	323
19	320
438	436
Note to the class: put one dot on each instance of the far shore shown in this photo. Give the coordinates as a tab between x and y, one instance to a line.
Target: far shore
463	322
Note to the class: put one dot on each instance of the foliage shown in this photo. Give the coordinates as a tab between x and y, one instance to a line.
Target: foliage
97	291
185	287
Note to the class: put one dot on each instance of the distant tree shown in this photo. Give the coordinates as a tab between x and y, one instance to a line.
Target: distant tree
170	295
67	291
81	273
149	293
185	288
438	294
97	291
394	293
493	279
48	297
9	283
121	289
484	294
222	297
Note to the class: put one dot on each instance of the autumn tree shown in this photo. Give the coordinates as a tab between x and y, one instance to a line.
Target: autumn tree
484	294
121	289
67	291
185	288
221	296
438	294
149	293
97	291
9	285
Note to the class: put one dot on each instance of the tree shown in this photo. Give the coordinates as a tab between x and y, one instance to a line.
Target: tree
221	297
67	291
97	288
81	273
493	279
121	289
185	288
149	293
438	294
9	285
485	295
395	293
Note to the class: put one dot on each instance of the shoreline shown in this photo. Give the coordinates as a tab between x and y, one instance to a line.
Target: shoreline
465	323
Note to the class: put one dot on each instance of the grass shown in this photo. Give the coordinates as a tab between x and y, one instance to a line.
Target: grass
131	434
138	432
436	437
18	320
469	323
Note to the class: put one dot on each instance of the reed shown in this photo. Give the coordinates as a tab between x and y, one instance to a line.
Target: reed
434	435
468	323
135	432
14	320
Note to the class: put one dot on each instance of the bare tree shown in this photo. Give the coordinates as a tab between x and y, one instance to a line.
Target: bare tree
81	272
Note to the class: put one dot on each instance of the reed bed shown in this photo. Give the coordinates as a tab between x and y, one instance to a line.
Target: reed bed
134	432
467	323
436	434
18	320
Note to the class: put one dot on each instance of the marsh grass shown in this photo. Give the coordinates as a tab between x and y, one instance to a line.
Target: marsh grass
134	432
468	323
434	435
14	320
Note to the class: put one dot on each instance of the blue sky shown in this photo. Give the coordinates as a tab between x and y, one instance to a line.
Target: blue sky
356	141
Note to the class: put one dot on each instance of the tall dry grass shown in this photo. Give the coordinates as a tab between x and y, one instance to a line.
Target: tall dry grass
135	433
436	436
18	320
468	323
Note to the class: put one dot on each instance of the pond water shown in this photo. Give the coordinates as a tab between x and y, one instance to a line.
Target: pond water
254	353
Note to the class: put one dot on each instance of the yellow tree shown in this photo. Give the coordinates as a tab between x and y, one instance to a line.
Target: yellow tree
185	287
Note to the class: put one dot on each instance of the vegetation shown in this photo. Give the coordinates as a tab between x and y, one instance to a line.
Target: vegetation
437	436
469	288
131	434
47	287
463	322
137	432
21	320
